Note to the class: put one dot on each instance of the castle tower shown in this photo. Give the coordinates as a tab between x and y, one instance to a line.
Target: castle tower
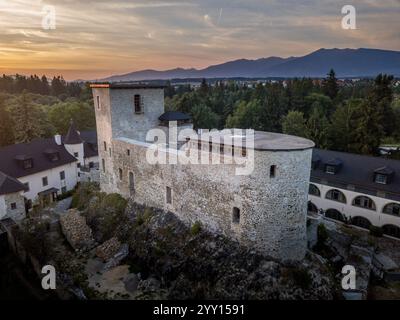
265	209
73	143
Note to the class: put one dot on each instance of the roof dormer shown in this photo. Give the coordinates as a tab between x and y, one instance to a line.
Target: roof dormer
383	175
333	166
52	154
25	161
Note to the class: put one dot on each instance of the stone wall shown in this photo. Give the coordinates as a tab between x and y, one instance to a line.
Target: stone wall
6	211
272	210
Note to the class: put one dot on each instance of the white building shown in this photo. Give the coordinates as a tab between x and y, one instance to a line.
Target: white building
39	171
362	190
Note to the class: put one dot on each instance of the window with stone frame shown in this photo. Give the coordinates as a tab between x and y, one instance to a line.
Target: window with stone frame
169	195
138	103
45	181
236	215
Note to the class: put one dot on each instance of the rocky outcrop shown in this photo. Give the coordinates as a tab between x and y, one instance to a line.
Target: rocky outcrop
207	266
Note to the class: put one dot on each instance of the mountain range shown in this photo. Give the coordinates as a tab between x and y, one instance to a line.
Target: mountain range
346	63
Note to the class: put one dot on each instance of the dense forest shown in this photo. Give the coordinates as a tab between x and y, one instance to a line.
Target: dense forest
353	117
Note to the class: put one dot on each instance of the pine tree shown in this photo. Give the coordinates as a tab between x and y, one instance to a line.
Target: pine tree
295	124
6	125
330	86
27	119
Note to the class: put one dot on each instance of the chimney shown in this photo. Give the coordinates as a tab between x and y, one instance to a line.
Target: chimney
57	138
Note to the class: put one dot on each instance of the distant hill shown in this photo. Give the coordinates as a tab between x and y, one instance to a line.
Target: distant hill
346	63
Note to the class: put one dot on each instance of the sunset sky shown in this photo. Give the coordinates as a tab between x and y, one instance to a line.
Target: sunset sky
98	38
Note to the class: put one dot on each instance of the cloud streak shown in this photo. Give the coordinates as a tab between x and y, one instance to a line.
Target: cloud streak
94	39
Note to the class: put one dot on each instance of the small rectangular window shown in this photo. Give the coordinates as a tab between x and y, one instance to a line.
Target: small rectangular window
128	152
233	150
380	178
272	171
138	103
76	154
105	146
221	149
62	175
98	102
169	195
210	146
13	206
330	169
45	181
103	164
120	174
236	215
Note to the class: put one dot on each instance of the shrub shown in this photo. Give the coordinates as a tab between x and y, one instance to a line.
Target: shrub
376	231
322	234
302	278
196	228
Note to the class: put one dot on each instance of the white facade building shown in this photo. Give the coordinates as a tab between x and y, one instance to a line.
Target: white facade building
37	172
361	190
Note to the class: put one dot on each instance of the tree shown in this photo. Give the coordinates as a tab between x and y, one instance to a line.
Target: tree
343	125
295	124
330	86
81	112
6	125
203	117
30	121
369	130
246	116
317	126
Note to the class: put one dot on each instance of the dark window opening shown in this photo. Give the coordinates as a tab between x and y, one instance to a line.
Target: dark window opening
28	164
45	181
210	146
138	103
244	152
62	175
128	152
105	146
221	149
13	206
103	162
169	195
199	145
131	183
236	215
272	171
120	174
98	102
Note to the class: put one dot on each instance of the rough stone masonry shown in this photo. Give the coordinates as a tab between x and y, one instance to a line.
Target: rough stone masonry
265	210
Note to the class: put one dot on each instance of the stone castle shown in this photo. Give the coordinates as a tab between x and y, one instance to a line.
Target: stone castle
265	209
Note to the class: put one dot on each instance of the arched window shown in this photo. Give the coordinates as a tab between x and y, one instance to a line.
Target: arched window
313	190
336	195
311	207
364	202
361	222
392	208
391	230
334	214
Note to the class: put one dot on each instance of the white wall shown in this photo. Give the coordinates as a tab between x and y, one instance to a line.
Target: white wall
54	181
377	218
72	148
